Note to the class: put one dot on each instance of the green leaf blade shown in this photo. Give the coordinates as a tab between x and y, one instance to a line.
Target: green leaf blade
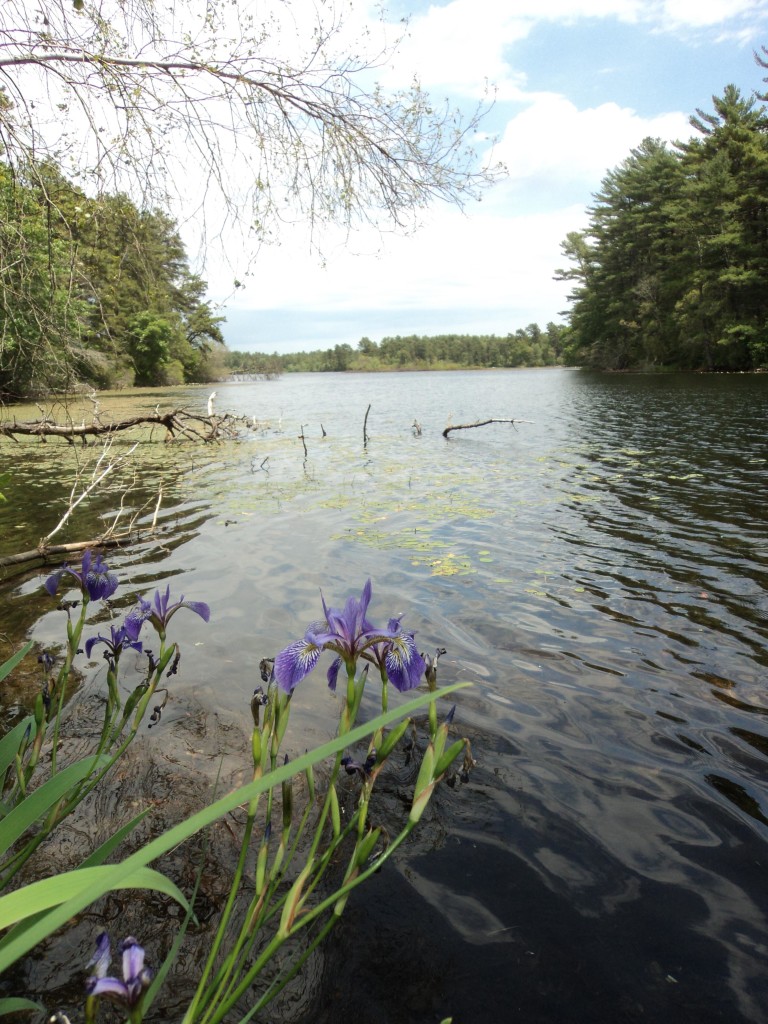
41	800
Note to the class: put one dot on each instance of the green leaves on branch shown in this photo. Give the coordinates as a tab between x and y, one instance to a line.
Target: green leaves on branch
132	311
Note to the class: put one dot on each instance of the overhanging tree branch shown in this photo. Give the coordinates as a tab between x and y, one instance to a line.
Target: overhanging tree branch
303	116
194	111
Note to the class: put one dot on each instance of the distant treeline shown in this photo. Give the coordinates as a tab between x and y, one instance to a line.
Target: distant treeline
530	346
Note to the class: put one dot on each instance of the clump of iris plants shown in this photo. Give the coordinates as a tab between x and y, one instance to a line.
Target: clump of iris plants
31	750
299	889
301	855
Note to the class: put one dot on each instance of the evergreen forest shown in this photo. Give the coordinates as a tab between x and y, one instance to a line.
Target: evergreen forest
672	271
95	291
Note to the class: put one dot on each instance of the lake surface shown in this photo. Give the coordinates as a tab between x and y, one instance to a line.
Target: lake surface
598	571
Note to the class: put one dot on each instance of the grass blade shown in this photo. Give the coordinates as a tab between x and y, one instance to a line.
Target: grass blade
15	1005
38	803
9	744
100	854
8	666
51	892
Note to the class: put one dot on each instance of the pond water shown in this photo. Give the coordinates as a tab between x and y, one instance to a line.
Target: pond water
598	571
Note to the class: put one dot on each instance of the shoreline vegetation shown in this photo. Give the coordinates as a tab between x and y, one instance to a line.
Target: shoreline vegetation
528	347
668	275
671	268
244	941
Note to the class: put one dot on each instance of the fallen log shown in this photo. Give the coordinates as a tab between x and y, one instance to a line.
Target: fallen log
45	551
178	423
480	423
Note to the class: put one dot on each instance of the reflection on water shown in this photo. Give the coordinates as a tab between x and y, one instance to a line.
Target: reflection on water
600	573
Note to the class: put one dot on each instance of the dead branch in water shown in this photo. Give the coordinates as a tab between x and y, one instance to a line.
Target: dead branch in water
179	425
98	474
83	487
480	423
46	551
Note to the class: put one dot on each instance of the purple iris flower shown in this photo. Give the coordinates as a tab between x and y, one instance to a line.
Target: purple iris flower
136	978
93	578
349	633
120	638
159	611
398	659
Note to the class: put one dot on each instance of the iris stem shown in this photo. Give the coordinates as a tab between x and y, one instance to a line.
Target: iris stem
73	641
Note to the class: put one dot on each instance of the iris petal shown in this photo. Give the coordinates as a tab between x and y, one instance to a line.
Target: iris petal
136	618
111	987
133	959
53	581
365	598
91	642
295	662
404	664
161	602
333	674
199	607
101	958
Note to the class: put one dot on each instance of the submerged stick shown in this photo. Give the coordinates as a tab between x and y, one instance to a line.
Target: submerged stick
480	423
45	551
365	425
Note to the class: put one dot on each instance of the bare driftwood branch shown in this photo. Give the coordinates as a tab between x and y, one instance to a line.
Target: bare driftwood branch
97	476
179	425
480	423
84	485
45	551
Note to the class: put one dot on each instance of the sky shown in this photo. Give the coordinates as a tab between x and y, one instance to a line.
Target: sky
578	83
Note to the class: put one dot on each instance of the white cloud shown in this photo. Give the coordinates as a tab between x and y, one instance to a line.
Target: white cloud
554	139
705	13
460	47
500	265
